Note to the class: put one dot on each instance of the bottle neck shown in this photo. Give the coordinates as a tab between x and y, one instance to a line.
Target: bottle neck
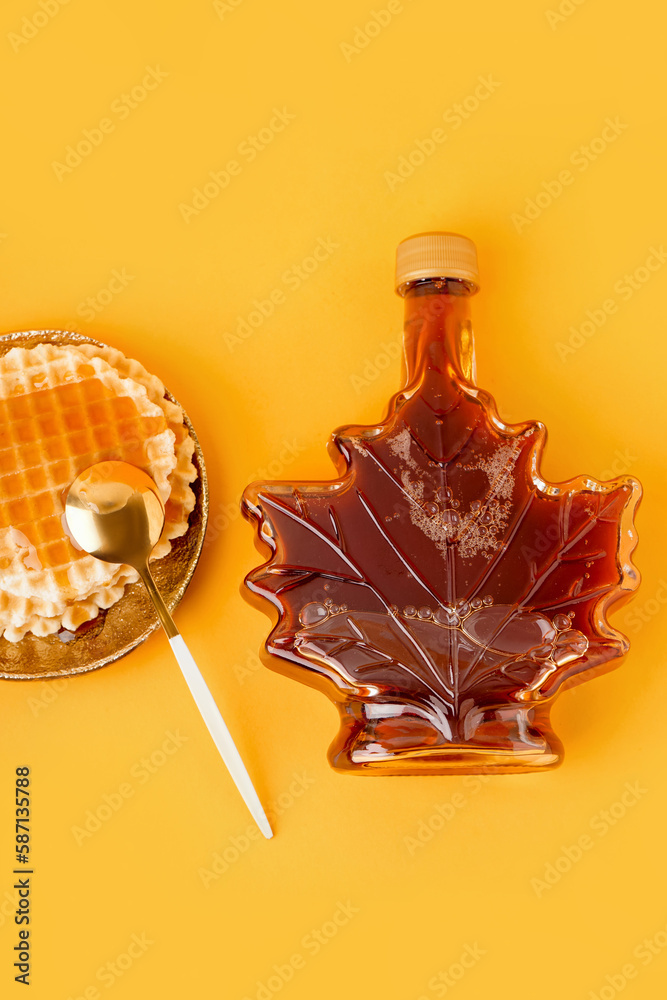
437	329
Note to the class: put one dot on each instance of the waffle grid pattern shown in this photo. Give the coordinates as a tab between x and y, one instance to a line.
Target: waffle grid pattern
181	499
61	410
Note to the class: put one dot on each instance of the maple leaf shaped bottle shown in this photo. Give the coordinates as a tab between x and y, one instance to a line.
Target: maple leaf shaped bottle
440	591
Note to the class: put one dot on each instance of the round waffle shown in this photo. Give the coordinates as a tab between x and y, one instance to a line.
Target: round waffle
62	409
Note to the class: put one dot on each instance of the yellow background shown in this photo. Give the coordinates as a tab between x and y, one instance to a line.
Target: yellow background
340	839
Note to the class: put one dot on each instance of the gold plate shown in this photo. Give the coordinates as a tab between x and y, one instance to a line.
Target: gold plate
127	623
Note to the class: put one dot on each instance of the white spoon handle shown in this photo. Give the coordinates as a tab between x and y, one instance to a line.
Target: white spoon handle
208	709
218	729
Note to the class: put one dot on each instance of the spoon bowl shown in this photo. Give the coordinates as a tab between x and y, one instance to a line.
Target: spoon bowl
115	513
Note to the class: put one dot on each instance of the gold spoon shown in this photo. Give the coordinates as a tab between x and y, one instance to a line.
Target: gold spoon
114	512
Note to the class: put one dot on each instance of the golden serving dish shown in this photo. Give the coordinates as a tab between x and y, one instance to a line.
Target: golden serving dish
130	621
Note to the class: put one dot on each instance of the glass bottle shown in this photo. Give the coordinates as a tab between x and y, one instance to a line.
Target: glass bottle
440	591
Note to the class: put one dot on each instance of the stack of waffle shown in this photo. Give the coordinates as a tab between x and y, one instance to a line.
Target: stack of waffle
62	409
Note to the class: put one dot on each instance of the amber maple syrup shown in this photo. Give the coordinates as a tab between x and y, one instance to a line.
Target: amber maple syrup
440	591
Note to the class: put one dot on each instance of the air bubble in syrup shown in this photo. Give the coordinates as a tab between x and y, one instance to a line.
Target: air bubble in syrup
313	613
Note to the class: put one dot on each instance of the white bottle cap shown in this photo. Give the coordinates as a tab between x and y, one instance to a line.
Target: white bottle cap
436	255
